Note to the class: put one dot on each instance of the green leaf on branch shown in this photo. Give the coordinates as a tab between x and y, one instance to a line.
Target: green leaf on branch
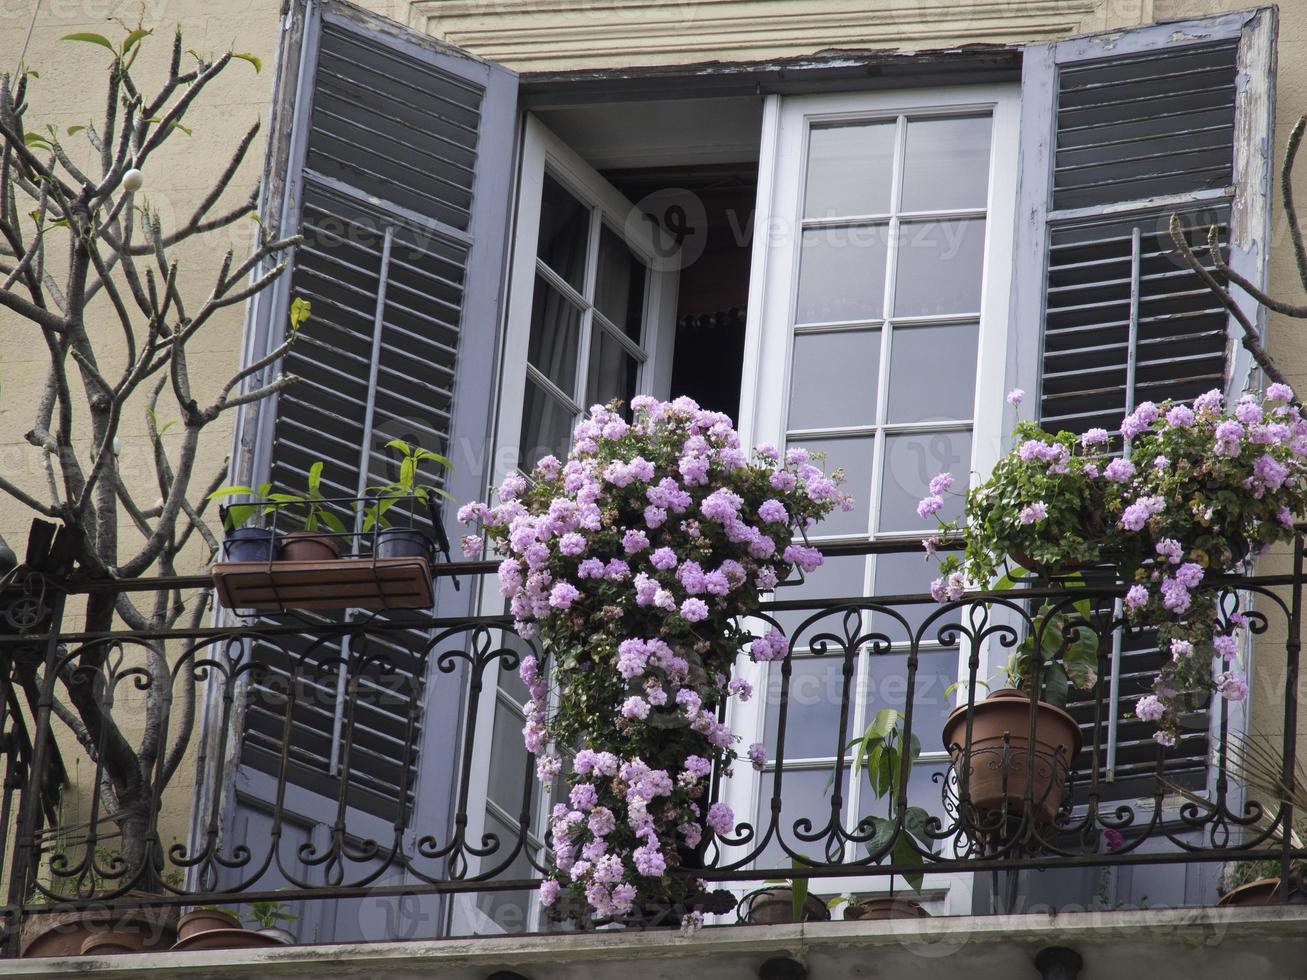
254	60
300	309
134	37
89	38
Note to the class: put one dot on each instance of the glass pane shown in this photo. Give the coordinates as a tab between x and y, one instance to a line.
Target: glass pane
838	577
555	333
907	574
507	911
509	756
887	687
854	456
834	379
842	274
939	267
612	370
911	459
811	725
932	373
564	230
510	681
619	292
546	426
805	793
850	169
924	790
947	164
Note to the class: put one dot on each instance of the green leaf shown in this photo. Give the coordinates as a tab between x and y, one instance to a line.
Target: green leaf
332	521
315	480
35	139
229	492
134	37
252	59
884	722
89	38
300	309
74	130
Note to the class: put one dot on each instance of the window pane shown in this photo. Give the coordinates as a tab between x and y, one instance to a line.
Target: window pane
932	372
555	333
924	790
508	773
564	230
619	292
812	722
546	426
507	912
907	574
612	370
887	687
911	459
838	577
939	266
854	456
834	379
850	169
805	793
947	164
842	274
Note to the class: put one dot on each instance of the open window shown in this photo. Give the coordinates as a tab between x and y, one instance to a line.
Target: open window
861	272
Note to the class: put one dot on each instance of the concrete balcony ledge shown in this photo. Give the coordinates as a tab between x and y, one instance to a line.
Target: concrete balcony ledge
1148	944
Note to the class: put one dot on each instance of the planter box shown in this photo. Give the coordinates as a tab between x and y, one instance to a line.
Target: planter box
344	583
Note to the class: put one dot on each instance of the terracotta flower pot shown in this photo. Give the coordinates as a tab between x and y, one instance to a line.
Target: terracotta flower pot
1263	891
310	546
774	906
112	943
63	933
204	920
998	771
878	909
228	939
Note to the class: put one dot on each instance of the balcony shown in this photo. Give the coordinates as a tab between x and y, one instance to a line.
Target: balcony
361	770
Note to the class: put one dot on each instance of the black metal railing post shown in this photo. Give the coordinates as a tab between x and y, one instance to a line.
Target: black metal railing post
1292	649
27	849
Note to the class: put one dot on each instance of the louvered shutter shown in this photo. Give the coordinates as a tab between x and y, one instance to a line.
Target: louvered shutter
1121	131
400	181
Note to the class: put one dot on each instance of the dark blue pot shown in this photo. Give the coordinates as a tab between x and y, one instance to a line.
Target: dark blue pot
402	542
251	544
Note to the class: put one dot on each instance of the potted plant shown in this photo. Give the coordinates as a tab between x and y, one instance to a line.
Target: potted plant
402	542
999	763
103	931
268	915
1197	491
205	918
638	562
243	538
307	543
882	752
784	900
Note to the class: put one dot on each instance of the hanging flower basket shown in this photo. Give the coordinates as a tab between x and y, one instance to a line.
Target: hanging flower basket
637	561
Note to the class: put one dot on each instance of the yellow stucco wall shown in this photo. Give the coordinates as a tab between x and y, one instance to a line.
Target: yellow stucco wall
528	35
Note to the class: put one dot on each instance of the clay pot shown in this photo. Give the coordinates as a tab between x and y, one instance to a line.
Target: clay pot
878	909
310	546
113	943
997	774
774	906
228	939
1263	891
64	933
204	920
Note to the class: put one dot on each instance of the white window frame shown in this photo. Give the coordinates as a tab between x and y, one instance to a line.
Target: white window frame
769	346
542	151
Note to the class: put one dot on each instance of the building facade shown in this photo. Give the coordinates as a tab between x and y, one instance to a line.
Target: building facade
853	228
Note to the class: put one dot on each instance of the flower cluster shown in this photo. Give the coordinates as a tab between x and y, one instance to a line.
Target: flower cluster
635	561
1198	491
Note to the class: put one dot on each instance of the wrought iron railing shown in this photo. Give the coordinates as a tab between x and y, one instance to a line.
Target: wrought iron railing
329	717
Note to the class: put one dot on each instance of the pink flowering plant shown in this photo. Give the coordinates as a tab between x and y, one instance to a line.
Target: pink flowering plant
636	561
1197	491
